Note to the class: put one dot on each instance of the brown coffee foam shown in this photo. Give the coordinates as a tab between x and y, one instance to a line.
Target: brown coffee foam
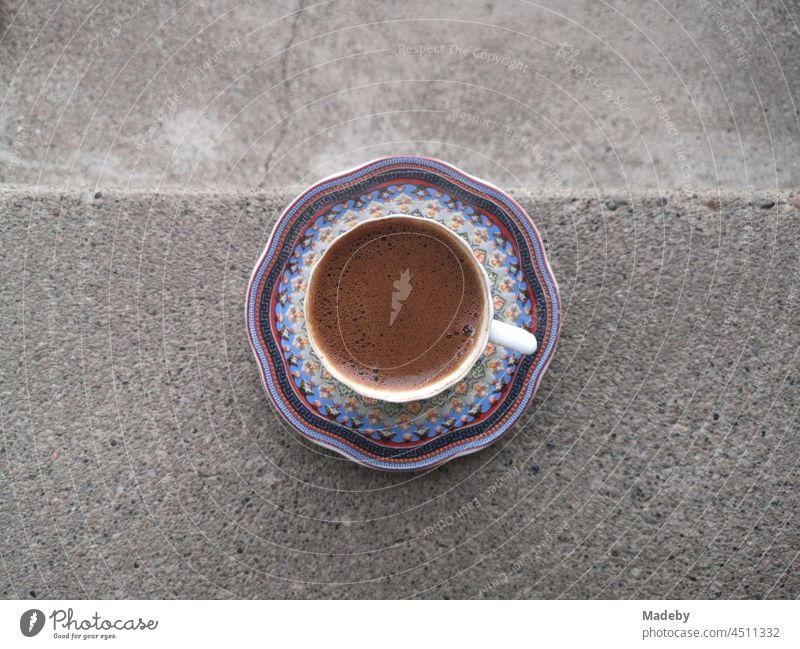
350	302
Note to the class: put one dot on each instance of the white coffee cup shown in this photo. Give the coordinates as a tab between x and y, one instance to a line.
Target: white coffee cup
495	331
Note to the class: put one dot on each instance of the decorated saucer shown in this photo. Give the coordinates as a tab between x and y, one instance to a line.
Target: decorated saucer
463	419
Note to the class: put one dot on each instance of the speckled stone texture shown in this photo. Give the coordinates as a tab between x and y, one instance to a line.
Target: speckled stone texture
139	457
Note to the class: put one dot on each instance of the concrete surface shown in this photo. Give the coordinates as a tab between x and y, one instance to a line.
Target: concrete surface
242	95
139	457
146	148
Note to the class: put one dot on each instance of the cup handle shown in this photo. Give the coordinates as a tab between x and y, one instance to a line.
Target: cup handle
511	337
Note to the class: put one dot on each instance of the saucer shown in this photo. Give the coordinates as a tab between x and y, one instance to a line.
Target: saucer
420	434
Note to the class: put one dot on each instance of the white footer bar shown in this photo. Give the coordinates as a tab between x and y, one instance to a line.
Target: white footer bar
399	624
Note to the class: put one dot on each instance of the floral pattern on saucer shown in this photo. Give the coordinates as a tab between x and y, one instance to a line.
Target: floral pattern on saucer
412	435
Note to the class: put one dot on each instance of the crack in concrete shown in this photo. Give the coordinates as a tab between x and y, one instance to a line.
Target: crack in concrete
284	98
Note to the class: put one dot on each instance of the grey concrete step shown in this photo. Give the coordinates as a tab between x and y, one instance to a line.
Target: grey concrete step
140	457
239	94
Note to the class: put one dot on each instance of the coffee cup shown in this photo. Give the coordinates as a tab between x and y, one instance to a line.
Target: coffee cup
399	309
